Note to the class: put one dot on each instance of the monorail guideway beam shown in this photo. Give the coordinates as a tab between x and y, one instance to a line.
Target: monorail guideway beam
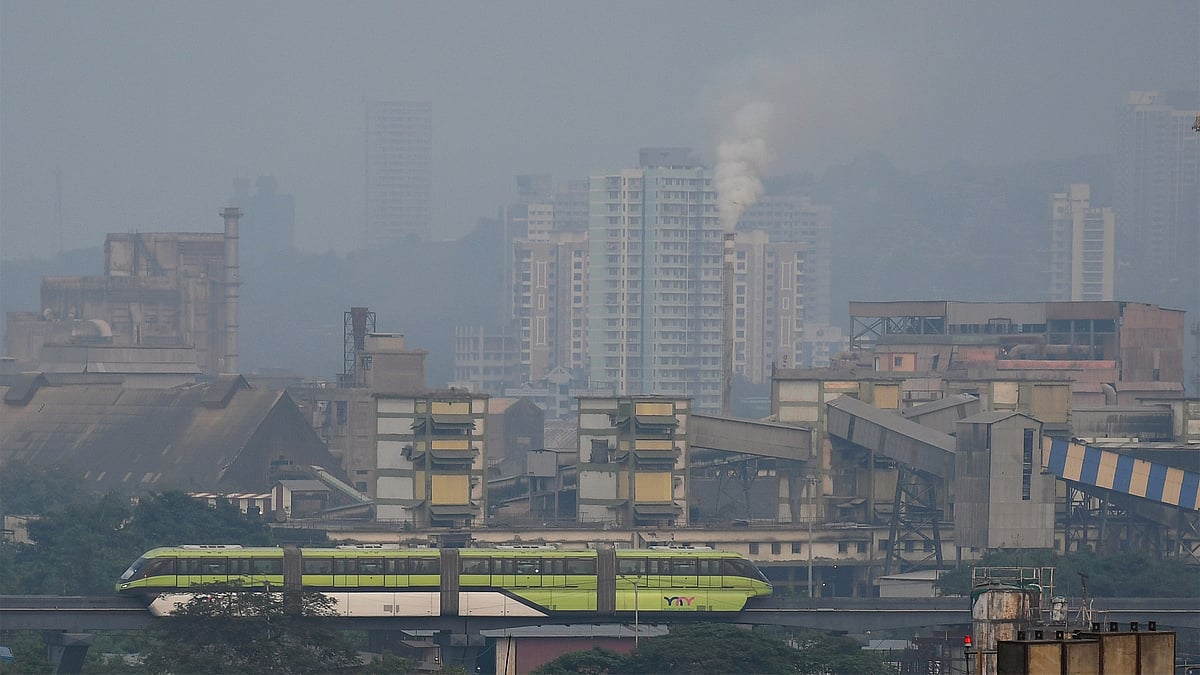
66	651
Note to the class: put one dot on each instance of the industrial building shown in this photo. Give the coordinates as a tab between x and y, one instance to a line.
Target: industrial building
222	436
160	290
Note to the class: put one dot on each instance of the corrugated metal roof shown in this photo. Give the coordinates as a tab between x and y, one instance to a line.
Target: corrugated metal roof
137	440
991	416
561	435
940	404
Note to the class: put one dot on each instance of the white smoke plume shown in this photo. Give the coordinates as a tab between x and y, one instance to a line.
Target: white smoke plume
742	159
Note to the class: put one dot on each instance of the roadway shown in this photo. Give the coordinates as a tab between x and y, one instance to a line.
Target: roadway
93	613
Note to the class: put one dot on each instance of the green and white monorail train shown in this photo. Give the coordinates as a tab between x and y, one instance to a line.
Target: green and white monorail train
517	581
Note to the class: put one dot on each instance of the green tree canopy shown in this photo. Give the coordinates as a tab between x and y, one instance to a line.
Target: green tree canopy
724	648
82	543
1119	574
595	661
227	629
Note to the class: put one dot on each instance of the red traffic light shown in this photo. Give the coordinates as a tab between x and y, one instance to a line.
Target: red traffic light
966	642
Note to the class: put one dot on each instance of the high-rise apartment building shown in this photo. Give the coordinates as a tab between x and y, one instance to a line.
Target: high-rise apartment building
1157	198
769	304
655	250
794	218
1081	247
549	298
399	156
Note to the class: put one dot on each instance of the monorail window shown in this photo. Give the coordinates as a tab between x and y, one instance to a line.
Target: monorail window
370	565
425	566
160	567
133	569
239	566
191	566
266	566
683	567
529	566
505	566
344	566
318	565
581	566
215	566
476	566
741	568
630	566
710	568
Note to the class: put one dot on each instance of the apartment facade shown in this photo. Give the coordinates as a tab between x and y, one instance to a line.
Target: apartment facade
1156	183
655	250
1082	247
399	171
769	304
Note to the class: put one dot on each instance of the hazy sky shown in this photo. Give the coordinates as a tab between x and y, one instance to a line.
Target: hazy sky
148	110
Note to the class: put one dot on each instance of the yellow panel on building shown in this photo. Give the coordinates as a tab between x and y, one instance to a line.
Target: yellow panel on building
452	444
887	396
1051	402
653	444
654	409
450	489
622	485
653	487
451	408
418	485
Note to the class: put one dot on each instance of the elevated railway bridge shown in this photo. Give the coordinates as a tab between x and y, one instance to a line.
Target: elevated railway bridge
67	621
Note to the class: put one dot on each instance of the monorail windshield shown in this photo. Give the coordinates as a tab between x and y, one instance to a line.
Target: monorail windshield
133	569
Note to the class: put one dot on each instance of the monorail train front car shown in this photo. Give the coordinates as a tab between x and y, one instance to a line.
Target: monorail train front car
519	581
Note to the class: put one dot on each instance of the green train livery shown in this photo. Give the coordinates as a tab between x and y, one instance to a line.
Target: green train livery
373	580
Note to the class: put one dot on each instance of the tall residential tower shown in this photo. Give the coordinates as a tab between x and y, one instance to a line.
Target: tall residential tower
1081	247
399	158
655	254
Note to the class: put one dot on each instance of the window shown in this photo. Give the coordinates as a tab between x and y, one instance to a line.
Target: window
266	566
476	566
795	547
318	565
344	566
1027	465
776	548
684	567
370	566
581	566
753	548
161	567
529	566
843	547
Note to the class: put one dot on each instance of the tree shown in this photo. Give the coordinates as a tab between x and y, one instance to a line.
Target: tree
82	546
227	629
722	648
595	661
1120	574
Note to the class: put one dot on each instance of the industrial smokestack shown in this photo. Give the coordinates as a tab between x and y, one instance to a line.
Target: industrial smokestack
728	281
231	282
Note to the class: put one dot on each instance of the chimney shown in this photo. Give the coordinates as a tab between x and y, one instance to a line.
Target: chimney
231	282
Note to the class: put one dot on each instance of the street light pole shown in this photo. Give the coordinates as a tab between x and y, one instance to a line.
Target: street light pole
636	623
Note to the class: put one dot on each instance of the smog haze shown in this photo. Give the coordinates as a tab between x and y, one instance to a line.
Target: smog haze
129	116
